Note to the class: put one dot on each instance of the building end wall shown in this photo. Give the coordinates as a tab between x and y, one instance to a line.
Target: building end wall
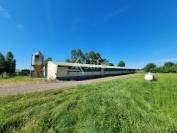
51	71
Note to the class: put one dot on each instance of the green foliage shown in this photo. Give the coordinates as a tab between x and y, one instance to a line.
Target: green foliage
169	64
93	58
2	63
68	60
168	67
121	64
47	60
111	64
25	72
9	56
150	67
8	63
123	105
77	56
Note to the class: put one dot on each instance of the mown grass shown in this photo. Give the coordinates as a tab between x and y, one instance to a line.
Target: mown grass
122	105
20	80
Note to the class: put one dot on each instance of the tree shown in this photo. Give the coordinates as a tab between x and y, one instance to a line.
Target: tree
9	56
150	67
169	64
10	63
47	60
25	72
92	57
105	62
174	68
77	56
169	67
121	64
2	63
95	58
87	60
111	64
98	58
68	60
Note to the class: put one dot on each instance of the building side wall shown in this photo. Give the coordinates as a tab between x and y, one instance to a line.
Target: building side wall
62	71
65	72
55	71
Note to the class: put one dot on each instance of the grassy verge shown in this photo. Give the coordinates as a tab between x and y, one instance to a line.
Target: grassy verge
20	80
122	105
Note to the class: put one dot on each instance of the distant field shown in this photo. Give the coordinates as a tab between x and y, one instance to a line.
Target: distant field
122	105
20	80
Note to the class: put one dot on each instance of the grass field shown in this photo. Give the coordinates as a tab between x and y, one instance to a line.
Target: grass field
122	105
20	80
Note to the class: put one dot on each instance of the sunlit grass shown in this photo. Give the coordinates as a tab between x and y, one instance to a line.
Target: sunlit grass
20	80
123	105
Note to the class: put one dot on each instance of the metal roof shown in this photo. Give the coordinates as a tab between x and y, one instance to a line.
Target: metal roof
38	53
85	65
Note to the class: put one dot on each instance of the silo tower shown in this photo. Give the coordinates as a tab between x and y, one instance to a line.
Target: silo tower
37	64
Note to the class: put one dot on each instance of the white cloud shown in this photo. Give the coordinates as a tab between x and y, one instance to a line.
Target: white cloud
4	13
110	15
1	8
20	27
7	15
116	12
75	24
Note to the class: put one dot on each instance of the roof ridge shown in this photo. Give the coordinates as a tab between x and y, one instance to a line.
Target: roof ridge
85	65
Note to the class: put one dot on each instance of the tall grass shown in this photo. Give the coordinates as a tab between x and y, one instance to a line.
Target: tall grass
122	105
14	80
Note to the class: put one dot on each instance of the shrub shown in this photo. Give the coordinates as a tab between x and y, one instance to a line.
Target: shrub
25	72
121	64
151	67
168	67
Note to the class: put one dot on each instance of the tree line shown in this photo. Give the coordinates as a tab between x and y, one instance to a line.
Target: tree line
7	63
91	57
168	67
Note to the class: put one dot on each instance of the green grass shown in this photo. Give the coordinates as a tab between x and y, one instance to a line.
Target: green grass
20	80
122	105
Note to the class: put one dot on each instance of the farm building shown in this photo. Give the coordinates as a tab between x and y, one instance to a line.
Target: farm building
62	70
37	63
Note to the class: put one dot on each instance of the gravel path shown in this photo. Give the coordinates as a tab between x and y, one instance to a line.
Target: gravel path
15	89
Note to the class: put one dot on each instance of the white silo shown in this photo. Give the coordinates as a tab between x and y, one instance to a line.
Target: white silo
38	63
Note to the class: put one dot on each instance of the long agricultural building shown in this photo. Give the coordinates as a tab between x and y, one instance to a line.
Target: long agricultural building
60	70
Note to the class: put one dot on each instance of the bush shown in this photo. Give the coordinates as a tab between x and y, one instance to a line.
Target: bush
121	64
7	64
151	67
25	72
168	67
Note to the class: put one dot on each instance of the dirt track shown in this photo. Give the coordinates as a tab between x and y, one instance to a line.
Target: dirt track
15	89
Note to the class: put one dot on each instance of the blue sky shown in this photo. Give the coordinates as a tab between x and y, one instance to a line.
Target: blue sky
137	31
